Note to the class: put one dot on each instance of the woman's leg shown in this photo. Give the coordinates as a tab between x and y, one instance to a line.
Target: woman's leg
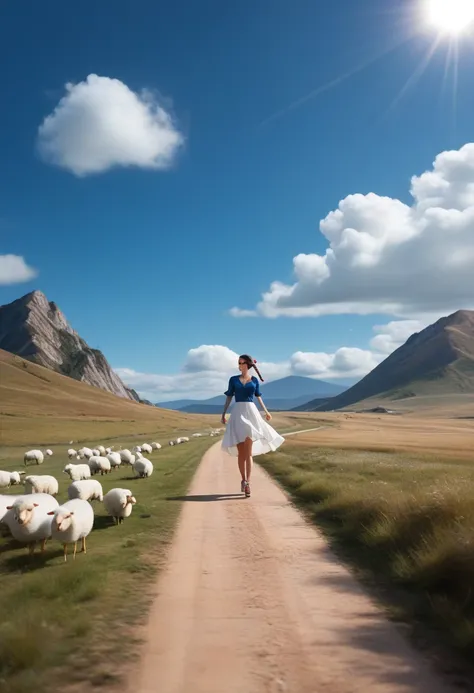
241	459
248	457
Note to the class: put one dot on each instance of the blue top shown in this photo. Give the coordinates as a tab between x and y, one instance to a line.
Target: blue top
243	393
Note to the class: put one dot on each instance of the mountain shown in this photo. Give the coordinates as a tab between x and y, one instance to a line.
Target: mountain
279	395
34	328
439	360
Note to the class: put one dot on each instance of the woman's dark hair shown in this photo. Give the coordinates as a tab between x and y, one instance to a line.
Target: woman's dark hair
251	363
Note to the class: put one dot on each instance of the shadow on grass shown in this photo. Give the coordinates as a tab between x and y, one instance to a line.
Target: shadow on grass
23	562
206	498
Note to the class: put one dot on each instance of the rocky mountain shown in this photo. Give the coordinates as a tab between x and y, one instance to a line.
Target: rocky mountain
283	394
34	328
437	360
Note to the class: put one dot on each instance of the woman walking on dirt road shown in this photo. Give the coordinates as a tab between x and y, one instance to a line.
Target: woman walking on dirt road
247	434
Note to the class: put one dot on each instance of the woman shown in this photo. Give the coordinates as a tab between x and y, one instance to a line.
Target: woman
247	434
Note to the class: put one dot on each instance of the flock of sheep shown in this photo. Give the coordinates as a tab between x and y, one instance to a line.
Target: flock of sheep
36	515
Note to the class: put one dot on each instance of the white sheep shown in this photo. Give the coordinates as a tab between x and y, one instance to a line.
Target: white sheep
10	479
136	449
156	446
143	467
84	452
147	449
87	489
93	464
197	435
77	471
95	452
171	442
72	521
126	456
48	452
33	456
28	521
5	500
114	459
101	450
43	483
118	503
109	450
72	453
103	465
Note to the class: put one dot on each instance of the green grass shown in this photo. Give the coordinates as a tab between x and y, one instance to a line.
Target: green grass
81	616
404	521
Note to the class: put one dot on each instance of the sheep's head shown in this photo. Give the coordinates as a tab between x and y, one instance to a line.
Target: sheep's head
23	511
128	499
62	519
15	478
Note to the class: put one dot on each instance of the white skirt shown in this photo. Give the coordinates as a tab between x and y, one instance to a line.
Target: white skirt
247	422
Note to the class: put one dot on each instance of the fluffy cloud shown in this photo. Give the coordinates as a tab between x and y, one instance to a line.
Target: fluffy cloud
392	335
387	257
207	368
101	123
14	270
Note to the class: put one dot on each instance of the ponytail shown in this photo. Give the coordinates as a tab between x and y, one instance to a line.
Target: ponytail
257	371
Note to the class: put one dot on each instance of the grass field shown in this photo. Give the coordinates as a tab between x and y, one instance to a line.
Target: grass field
405	519
80	616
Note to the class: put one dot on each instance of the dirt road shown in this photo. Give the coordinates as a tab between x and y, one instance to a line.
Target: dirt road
252	601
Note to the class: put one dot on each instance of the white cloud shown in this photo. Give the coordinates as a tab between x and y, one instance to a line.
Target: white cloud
101	123
392	335
206	370
14	270
387	257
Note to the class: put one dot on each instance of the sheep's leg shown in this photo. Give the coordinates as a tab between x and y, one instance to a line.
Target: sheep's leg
31	548
43	545
75	549
83	547
65	552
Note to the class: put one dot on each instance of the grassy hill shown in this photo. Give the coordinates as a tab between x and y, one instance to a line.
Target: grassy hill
41	407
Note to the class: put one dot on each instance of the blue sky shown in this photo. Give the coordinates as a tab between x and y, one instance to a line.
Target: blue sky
220	195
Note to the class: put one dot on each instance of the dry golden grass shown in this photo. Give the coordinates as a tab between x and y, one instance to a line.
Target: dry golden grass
407	433
394	494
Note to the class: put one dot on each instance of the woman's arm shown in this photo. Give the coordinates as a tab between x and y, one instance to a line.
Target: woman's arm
268	416
226	406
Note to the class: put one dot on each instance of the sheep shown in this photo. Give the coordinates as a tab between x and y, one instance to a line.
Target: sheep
48	452
143	467
77	471
84	452
146	449
5	500
33	456
103	465
197	435
28	520
156	446
171	442
93	463
114	459
109	450
136	449
118	503
101	450
126	456
43	483
71	453
95	452
10	479
73	520
87	489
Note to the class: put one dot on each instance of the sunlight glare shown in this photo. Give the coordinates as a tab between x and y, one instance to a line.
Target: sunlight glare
450	16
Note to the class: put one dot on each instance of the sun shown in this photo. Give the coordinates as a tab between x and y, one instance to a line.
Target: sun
450	16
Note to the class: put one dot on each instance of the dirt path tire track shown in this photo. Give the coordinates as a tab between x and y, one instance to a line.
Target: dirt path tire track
252	601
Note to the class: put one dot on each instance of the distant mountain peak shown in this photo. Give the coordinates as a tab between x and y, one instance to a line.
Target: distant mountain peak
37	330
439	358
